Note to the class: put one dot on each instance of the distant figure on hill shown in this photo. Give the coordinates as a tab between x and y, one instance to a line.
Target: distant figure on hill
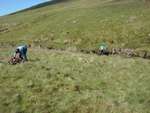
22	50
103	49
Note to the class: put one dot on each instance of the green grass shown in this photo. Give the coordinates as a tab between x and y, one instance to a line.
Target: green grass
66	82
72	82
81	24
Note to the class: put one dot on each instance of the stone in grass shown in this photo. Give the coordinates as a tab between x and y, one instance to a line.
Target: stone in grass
142	54
148	55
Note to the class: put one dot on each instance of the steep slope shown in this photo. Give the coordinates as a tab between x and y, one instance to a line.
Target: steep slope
80	24
66	82
55	81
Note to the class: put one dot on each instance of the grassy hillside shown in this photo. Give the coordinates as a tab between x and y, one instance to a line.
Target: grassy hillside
80	24
65	82
55	81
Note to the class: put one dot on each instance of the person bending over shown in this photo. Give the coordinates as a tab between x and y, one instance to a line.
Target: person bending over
23	52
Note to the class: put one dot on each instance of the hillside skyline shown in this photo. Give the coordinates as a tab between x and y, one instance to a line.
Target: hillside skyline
11	6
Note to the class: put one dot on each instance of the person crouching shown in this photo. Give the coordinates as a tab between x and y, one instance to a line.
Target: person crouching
22	51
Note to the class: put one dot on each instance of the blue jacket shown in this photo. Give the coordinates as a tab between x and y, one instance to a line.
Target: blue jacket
23	51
